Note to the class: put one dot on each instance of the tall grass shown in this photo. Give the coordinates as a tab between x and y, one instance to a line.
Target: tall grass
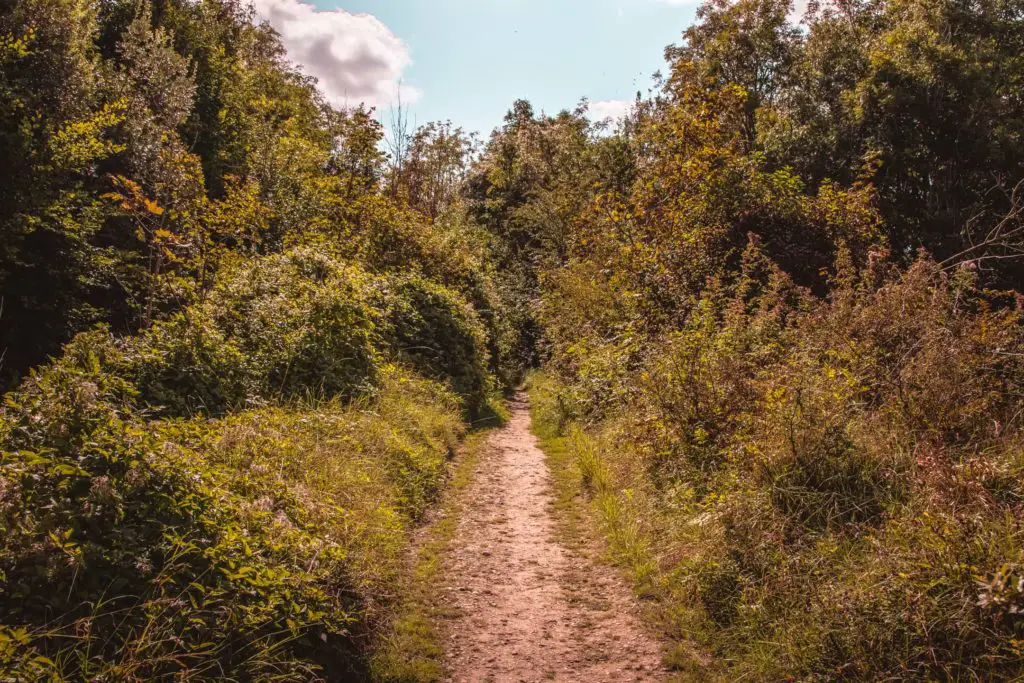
265	545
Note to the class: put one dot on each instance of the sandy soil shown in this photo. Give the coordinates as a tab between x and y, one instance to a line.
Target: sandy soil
528	609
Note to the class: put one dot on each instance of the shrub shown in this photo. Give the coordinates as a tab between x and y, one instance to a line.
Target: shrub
262	544
255	547
293	326
807	446
437	333
838	478
185	365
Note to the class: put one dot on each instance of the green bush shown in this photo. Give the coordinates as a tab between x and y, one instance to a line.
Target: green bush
291	326
260	546
185	365
263	544
438	334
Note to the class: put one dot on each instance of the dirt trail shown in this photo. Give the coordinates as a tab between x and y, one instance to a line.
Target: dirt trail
529	609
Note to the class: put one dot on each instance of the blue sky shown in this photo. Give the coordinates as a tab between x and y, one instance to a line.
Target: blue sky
467	60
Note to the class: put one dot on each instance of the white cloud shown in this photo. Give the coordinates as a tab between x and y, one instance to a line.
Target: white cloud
609	109
355	57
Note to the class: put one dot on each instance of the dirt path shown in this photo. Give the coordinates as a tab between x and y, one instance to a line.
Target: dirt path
525	610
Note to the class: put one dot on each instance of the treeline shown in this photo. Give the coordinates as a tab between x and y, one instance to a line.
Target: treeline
241	340
779	309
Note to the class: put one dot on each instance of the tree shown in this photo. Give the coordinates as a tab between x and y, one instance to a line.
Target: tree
436	164
923	98
56	126
749	43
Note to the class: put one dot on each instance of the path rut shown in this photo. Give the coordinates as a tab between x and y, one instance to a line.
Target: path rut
527	608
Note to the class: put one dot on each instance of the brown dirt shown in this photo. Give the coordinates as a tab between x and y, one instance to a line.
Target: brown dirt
524	610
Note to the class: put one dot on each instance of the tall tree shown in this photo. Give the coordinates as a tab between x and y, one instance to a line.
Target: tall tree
56	126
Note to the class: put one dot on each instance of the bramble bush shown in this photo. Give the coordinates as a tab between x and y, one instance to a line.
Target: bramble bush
297	325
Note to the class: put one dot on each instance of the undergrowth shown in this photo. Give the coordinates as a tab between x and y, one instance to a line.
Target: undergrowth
264	545
230	495
817	490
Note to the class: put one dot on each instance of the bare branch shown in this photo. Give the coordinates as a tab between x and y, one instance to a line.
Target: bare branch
1004	240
